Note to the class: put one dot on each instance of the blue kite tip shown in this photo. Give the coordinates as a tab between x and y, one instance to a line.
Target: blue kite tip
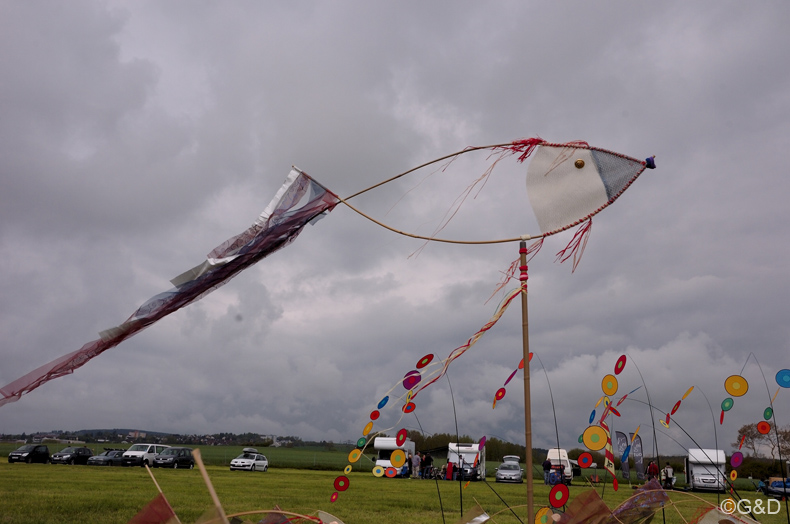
650	162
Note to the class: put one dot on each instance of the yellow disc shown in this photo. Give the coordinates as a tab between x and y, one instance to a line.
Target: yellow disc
378	471
347	470
594	437
367	429
736	385
599	402
354	455
733	475
609	385
543	515
398	458
687	393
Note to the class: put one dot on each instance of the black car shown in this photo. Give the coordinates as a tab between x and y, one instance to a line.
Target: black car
30	453
175	458
108	457
71	456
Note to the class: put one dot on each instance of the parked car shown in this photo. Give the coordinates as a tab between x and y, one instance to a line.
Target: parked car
175	458
30	453
142	454
510	470
108	457
72	455
250	460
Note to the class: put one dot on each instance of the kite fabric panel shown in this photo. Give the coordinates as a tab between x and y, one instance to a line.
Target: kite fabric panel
569	183
298	202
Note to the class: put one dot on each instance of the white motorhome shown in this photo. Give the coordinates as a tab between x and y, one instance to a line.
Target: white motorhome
560	462
464	456
384	447
705	469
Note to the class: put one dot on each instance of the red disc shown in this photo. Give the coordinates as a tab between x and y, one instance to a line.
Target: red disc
424	361
674	409
667	419
390	472
558	495
500	394
400	438
618	367
341	483
411	379
585	460
721	418
333	497
614	411
763	427
409	407
510	377
374	414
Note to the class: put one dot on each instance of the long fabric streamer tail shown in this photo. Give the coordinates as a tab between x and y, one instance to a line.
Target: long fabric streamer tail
298	202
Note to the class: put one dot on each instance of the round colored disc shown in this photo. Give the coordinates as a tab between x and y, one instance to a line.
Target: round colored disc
361	442
592	416
354	455
736	459
400	438
543	516
783	378
687	393
664	423
768	413
390	472
500	394
607	402
409	407
721	418
341	483
621	399
736	385
626	453
511	377
347	470
763	427
585	460
594	438
383	402
733	475
581	439
367	428
374	414
614	411
675	408
667	419
333	497
609	385
424	361
411	379
618	367
558	495
378	471
482	443
398	458
727	404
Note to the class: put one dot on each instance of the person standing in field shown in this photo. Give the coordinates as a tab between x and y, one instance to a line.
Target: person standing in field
415	466
546	470
408	463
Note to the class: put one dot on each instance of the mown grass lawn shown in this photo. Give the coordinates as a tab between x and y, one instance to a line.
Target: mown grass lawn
45	493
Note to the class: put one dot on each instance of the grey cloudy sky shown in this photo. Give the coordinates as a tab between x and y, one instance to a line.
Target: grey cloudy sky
137	136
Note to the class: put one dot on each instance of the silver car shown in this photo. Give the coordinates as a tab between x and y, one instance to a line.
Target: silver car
249	460
509	472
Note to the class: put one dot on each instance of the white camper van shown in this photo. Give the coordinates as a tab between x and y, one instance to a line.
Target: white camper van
559	461
464	456
705	469
384	447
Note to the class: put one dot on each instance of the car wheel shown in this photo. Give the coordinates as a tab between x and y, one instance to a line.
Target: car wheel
27	460
252	468
175	465
265	469
143	463
191	465
71	462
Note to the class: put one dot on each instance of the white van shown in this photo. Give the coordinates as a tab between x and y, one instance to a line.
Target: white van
464	456
386	445
142	454
705	469
559	461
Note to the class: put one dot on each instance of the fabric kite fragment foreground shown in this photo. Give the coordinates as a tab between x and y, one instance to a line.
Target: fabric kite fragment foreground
299	201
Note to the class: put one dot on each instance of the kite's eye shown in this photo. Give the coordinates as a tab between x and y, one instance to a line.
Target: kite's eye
579	163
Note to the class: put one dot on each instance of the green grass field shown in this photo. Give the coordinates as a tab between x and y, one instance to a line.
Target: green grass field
45	493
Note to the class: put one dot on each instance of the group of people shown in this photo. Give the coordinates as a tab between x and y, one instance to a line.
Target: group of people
420	466
666	475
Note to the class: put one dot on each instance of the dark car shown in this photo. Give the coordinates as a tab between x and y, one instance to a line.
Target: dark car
108	457
30	453
175	458
71	456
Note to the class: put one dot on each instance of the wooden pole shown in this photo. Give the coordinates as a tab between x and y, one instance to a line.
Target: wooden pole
214	497
527	403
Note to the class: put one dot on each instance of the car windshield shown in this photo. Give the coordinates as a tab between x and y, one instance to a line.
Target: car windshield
249	456
27	448
68	450
509	466
170	451
139	447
